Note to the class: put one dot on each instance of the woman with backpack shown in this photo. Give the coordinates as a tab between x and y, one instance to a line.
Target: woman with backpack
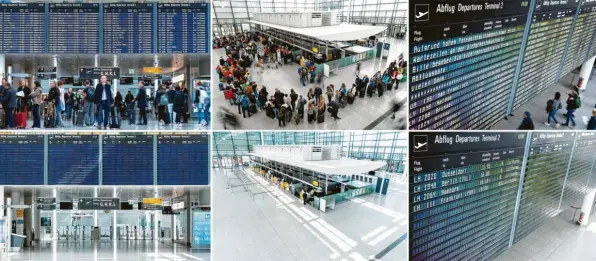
552	106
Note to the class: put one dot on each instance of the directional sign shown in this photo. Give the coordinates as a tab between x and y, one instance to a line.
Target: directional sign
46	201
99	203
46	69
152	207
46	207
97	72
152	70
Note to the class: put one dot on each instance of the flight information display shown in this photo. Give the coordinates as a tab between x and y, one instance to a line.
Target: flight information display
22	159
580	169
183	159
463	55
543	180
73	28
579	46
73	160
463	189
549	31
183	28
22	28
127	159
127	28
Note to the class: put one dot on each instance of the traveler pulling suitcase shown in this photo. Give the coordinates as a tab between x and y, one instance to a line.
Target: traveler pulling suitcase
20	119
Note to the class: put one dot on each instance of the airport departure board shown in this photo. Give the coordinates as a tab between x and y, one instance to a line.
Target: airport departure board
463	58
73	28
73	160
545	171
463	189
183	159
183	28
549	31
589	6
127	159
127	28
581	39
580	169
22	28
22	159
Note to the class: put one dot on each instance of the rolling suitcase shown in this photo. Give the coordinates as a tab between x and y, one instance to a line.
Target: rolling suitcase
361	93
78	118
350	99
253	108
311	117
20	120
321	117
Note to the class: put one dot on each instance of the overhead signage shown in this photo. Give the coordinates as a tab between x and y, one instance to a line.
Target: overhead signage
152	70
177	206
178	78
46	76
20	213
97	72
150	77
152	207
46	69
99	204
46	207
316	183
47	201
152	201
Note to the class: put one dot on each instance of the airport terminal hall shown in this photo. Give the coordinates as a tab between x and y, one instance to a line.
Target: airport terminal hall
310	195
309	65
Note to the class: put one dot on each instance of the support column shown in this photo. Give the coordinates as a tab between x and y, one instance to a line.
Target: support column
2	204
17	199
2	66
156	217
116	81
95	222
54	220
96	64
188	206
155	82
114	219
584	73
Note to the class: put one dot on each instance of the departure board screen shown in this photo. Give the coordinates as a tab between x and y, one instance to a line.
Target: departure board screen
183	28
183	159
579	47
73	160
127	159
549	31
580	169
548	158
73	28
128	28
463	189
22	28
463	55
22	159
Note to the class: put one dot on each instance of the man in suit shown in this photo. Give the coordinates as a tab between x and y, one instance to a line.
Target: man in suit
141	100
104	101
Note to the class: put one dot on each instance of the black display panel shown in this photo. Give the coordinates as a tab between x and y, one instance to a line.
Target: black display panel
66	205
127	159
22	159
580	169
545	171
73	160
579	46
183	28
463	56
73	28
22	28
463	189
183	159
127	28
549	31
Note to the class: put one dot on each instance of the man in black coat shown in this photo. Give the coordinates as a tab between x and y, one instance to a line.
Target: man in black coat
104	101
141	100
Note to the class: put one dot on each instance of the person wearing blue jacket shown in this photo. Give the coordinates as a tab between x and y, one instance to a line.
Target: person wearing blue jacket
9	102
245	103
141	100
104	101
171	113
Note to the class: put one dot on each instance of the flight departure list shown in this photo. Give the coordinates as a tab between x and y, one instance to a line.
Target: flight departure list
183	159
22	159
549	31
463	55
543	180
183	28
128	28
127	159
580	169
73	28
463	190
579	46
80	167
22	28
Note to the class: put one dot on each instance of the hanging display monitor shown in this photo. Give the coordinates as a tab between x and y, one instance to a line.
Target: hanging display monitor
463	189
22	28
127	159
22	159
73	28
172	153
128	28
81	167
183	28
583	31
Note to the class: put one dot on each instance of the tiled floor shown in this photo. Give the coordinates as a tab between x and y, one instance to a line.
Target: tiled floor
276	226
107	250
537	106
357	116
151	125
558	239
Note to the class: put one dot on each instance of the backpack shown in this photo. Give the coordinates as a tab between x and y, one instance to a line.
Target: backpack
179	98
90	93
578	102
163	99
550	105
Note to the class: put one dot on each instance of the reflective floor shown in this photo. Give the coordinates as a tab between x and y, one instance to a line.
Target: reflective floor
107	250
276	226
364	113
151	125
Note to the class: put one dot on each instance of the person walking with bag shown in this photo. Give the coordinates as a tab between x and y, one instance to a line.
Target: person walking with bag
552	106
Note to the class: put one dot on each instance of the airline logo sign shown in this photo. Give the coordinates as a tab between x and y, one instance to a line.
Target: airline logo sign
152	204
152	70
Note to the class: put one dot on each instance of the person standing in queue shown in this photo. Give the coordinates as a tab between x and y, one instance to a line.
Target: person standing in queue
35	97
9	103
179	100
104	101
60	107
89	104
171	93
141	101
